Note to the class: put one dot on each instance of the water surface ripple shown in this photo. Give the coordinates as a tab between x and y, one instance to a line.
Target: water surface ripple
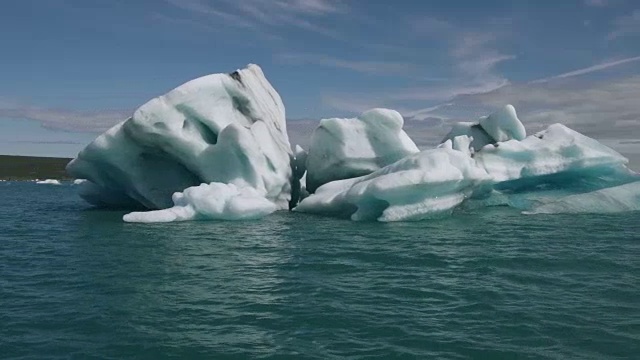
488	284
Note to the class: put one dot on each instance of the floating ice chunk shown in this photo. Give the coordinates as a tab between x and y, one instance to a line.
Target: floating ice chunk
422	185
49	182
463	143
471	130
554	150
214	201
503	125
347	148
227	128
79	181
610	200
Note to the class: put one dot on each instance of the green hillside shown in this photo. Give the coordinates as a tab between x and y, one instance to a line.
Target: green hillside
30	167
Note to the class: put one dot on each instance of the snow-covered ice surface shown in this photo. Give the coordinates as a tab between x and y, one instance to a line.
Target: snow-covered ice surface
49	182
473	131
79	181
214	201
503	125
227	128
419	186
555	150
528	174
347	148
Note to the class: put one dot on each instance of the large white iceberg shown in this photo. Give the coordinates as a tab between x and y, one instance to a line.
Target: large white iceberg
227	128
419	186
215	201
217	148
348	148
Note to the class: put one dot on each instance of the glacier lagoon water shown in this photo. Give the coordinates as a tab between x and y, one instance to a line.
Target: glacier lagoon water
489	283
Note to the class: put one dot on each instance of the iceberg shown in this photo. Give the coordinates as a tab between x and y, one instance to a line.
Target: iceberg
555	150
214	201
526	174
423	185
500	126
49	182
226	128
503	125
615	199
217	148
348	148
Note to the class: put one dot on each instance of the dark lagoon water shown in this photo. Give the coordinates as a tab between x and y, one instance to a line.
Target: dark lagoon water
488	284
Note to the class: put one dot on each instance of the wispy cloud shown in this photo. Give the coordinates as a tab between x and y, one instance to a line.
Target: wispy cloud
431	26
47	142
260	15
473	58
628	25
367	67
590	69
64	119
605	109
596	3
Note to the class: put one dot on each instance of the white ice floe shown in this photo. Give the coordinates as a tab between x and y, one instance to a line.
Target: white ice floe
49	182
79	181
227	128
215	201
348	148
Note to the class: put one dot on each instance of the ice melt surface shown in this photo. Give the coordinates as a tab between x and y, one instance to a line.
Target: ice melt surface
214	201
347	148
227	128
419	186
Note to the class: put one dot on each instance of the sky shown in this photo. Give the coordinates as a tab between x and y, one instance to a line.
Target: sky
70	69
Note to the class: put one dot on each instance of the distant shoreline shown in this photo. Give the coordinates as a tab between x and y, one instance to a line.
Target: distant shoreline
14	167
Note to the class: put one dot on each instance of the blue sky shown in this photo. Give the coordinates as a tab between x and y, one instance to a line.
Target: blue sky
69	69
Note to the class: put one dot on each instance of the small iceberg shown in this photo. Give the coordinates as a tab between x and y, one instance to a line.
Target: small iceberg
49	182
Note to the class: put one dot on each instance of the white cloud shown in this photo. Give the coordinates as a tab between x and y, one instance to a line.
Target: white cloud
431	26
473	62
266	15
596	3
64	119
628	25
368	67
602	110
590	69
